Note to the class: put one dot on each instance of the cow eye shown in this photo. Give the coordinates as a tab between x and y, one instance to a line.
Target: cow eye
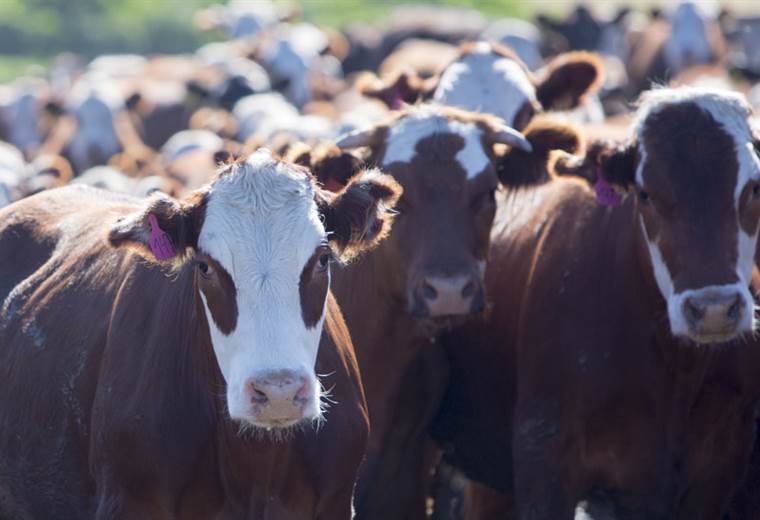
323	262
205	269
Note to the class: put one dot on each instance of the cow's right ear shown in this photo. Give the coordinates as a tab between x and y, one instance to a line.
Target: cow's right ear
359	216
614	162
164	230
405	87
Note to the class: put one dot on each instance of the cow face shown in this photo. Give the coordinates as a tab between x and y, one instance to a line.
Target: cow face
695	169
489	78
435	258
261	239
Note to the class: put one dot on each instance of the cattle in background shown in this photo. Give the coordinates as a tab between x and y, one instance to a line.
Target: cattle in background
28	110
669	45
519	35
95	126
489	78
582	30
641	395
424	278
209	337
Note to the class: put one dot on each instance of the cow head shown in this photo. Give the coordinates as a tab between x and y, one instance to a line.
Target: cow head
694	167
490	78
261	239
445	160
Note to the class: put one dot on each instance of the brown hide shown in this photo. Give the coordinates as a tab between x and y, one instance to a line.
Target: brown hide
114	406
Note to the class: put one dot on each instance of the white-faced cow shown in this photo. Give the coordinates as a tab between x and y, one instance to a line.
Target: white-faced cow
620	345
490	78
166	358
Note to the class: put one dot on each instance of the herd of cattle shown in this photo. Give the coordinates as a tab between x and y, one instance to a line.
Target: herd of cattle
442	267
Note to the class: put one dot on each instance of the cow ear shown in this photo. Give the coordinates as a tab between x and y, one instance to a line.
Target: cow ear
616	162
404	87
332	166
133	101
517	168
164	230
359	216
568	79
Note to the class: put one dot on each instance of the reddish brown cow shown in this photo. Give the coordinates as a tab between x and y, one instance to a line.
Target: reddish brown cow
490	78
133	394
617	370
424	277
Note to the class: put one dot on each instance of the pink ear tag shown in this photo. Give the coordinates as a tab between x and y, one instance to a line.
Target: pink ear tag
605	193
160	244
396	101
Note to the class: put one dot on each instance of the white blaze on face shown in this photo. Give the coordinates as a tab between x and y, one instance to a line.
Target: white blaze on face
262	225
483	81
731	111
424	122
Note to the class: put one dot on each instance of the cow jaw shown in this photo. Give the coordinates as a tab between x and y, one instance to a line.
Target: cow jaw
261	229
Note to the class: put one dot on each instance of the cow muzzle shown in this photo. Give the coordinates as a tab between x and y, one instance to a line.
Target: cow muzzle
713	314
439	296
280	398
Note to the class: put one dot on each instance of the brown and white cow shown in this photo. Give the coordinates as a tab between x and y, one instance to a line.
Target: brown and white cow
160	358
489	78
619	352
424	277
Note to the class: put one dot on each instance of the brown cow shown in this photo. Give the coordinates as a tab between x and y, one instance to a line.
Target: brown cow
488	77
132	394
424	277
617	370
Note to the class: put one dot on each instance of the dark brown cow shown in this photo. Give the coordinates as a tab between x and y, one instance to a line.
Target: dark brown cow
424	277
129	393
490	78
617	370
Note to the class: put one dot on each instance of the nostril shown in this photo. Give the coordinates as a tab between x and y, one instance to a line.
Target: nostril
734	309
469	289
428	291
258	397
302	396
694	313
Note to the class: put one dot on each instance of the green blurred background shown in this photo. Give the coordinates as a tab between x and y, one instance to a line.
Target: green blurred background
33	31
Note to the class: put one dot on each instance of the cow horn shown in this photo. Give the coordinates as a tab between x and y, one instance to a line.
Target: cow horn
507	135
357	138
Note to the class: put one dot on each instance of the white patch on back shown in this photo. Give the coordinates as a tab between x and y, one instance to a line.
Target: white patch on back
262	225
426	121
482	81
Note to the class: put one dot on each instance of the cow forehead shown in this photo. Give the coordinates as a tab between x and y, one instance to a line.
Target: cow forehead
261	219
729	111
423	123
483	81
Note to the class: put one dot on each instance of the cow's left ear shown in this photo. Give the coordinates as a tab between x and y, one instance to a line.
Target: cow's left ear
517	167
568	79
359	216
405	87
331	166
163	230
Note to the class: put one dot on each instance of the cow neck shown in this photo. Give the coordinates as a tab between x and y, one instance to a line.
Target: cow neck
385	337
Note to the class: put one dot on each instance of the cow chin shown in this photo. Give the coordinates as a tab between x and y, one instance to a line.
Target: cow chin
712	315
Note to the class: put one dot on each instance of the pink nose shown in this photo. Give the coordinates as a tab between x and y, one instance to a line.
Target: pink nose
279	396
714	313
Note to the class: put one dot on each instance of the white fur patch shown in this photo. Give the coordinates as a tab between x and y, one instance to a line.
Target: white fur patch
426	121
486	82
262	225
